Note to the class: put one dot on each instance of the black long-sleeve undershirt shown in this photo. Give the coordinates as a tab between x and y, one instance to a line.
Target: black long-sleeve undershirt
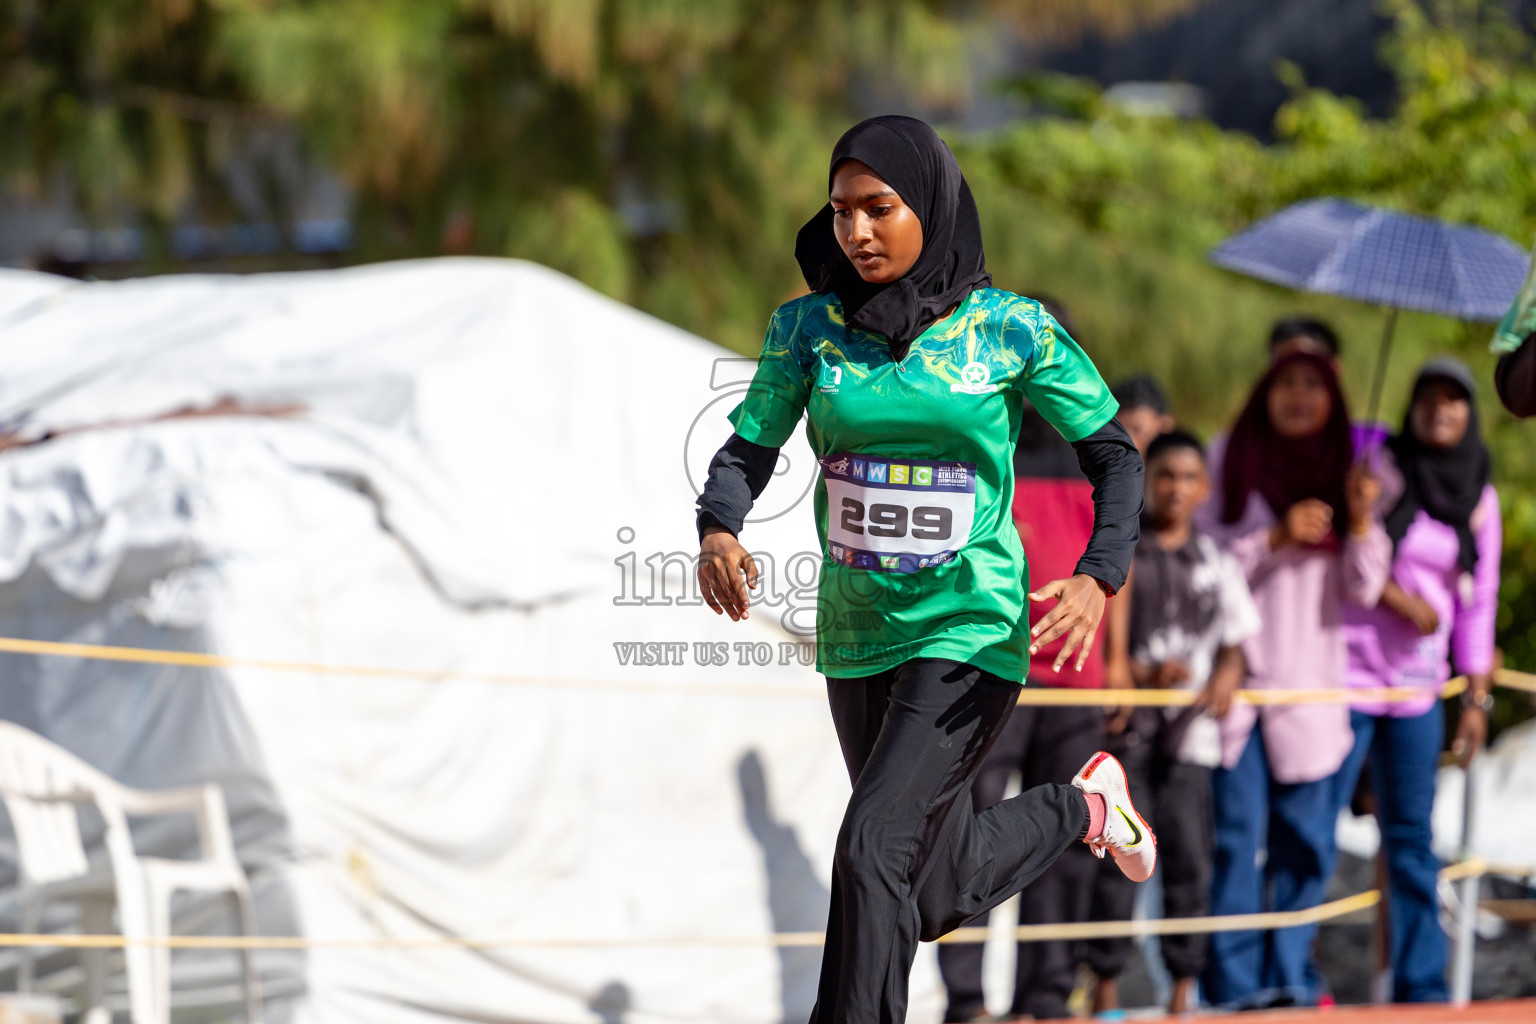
1108	458
737	475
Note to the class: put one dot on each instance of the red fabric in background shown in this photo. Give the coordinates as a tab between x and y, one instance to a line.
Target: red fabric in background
1055	518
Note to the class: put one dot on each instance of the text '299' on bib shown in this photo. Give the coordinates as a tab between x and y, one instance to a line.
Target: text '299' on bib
893	514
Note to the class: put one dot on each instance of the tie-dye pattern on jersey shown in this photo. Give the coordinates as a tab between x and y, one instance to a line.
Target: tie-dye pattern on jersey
891	587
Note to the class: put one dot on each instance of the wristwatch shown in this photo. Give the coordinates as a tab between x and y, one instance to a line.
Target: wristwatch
1482	701
1109	591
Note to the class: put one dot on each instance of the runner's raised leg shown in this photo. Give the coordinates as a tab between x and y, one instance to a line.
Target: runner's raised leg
913	859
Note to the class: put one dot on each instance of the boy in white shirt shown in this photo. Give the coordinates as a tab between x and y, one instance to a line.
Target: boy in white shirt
1190	612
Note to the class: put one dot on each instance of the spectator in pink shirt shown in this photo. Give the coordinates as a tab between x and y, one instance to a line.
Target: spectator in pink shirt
1439	605
1298	514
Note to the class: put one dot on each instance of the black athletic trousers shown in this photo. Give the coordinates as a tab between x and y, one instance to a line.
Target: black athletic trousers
1040	743
913	859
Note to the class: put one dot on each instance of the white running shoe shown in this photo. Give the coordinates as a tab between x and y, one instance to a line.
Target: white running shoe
1126	834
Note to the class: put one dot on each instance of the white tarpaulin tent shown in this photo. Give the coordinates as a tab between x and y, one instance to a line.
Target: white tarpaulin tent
458	466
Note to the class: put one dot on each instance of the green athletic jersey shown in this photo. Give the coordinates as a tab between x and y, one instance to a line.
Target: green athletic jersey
914	500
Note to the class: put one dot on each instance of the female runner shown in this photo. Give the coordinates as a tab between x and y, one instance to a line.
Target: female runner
914	371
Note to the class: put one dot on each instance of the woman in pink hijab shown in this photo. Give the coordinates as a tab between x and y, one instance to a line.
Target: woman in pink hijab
1298	514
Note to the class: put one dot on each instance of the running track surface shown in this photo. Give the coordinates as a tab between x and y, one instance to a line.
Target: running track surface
1520	1011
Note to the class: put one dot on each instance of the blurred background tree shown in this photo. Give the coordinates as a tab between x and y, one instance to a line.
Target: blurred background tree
659	150
1114	214
666	151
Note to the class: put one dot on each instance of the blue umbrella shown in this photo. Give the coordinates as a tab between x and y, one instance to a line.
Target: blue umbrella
1335	247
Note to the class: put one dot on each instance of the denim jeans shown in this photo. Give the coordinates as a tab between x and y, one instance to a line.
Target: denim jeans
1405	754
1293	823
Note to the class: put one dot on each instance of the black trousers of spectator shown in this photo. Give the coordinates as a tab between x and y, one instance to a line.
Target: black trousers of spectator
1178	807
913	858
1111	900
1041	743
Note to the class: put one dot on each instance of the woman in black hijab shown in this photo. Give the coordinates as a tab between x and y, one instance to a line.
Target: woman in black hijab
1438	606
950	265
913	373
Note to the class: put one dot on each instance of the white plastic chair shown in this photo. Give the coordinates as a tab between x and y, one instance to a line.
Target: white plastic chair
41	783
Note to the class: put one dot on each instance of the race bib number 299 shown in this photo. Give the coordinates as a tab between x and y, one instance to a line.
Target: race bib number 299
897	515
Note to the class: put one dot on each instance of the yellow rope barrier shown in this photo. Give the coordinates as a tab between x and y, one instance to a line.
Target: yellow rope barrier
1041	696
1178	925
1509	678
1024	933
1472	867
1027	695
197	659
1032	695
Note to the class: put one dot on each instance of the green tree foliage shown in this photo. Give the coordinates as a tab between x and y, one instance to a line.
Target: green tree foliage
1114	215
660	150
666	151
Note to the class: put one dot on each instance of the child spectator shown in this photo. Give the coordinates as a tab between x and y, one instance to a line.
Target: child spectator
1190	613
1143	409
1300	519
1440	602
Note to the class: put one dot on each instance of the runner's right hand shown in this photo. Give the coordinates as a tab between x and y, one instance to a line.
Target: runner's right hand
726	570
1079	607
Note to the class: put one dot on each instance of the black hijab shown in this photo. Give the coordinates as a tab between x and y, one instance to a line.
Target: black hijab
914	161
1447	483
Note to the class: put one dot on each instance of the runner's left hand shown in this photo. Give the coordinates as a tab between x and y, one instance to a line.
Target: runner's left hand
1079	607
